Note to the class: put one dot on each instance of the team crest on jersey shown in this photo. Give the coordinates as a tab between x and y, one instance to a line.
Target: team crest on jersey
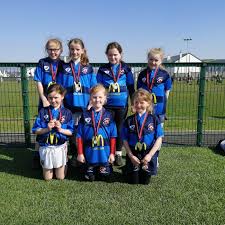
88	120
106	121
68	69
143	79
159	80
46	117
122	71
85	70
151	127
46	68
107	71
132	127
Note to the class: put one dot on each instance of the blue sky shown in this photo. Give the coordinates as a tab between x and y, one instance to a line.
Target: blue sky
26	25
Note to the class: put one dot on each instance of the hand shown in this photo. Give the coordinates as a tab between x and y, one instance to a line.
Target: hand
89	105
51	124
146	159
58	125
45	103
135	161
81	158
111	158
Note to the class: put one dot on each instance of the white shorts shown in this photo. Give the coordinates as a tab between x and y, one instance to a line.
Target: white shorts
53	156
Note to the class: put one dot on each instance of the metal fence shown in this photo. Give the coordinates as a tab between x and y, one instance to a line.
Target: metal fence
195	113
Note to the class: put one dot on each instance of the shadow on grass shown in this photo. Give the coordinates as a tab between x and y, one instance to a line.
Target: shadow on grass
17	161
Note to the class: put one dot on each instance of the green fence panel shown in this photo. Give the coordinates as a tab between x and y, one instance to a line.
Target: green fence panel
195	110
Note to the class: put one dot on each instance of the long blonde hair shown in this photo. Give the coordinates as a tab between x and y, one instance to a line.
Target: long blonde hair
156	51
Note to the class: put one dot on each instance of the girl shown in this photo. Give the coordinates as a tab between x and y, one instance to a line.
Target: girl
47	72
117	78
52	126
142	137
156	80
78	78
98	131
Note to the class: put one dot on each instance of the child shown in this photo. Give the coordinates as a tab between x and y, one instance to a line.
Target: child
98	131
47	73
156	80
52	126
117	78
142	137
78	78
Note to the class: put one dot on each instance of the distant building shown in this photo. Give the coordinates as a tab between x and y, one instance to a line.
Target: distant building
181	71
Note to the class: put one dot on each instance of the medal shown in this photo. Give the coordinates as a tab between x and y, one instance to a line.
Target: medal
140	146
52	139
51	83
97	139
150	86
115	86
53	75
77	84
77	87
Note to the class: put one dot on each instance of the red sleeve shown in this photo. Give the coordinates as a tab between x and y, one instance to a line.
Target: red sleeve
80	146
112	146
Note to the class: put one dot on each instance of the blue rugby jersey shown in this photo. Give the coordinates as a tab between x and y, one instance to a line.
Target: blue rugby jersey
97	155
125	82
151	131
43	72
43	119
78	99
161	84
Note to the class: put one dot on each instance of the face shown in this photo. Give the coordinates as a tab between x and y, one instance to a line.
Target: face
154	61
54	50
114	56
75	51
98	100
55	99
140	106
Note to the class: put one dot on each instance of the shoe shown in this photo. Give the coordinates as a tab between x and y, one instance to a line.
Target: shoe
118	160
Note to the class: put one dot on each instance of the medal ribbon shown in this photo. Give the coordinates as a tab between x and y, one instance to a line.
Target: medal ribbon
54	73
142	126
94	124
75	76
50	114
153	79
118	75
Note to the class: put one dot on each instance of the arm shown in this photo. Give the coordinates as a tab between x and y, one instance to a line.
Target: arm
80	151
133	158
41	94
154	149
167	94
112	150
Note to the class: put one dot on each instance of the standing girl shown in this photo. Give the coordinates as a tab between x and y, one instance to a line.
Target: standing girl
117	78
52	126
48	71
156	80
78	78
142	137
98	131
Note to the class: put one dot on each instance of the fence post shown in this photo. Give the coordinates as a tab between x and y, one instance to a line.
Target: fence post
25	97
201	95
